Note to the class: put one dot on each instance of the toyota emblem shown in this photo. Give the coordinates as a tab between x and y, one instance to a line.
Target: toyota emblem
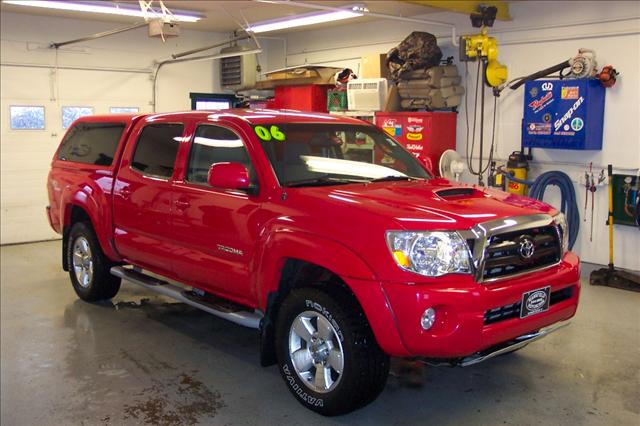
527	248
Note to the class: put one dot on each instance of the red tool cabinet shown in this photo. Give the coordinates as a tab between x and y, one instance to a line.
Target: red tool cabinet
307	97
425	134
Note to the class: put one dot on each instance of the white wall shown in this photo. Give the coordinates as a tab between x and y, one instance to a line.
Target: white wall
541	34
26	154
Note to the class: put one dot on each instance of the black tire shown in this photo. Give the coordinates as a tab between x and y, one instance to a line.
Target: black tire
365	366
100	284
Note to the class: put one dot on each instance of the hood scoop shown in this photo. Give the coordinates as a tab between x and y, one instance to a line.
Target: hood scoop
458	193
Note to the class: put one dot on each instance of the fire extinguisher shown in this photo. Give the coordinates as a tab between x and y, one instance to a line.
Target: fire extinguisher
517	166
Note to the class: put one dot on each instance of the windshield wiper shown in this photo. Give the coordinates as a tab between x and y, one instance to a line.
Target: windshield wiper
391	178
323	181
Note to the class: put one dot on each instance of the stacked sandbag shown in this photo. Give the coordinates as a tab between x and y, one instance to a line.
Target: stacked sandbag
431	88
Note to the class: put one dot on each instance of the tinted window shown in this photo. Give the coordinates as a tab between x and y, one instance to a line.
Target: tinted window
310	153
156	150
91	143
214	144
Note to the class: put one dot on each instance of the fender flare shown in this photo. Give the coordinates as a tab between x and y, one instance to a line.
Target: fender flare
283	244
99	217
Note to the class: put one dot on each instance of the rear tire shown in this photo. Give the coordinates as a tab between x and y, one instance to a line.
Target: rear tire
327	353
89	268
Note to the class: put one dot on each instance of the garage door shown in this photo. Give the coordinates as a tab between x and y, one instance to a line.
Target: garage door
26	154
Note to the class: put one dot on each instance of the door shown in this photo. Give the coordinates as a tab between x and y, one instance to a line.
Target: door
142	197
215	228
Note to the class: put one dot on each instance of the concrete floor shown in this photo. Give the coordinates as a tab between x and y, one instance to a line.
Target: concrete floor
137	361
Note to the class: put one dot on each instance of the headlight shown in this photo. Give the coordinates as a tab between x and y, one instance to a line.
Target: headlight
431	254
561	222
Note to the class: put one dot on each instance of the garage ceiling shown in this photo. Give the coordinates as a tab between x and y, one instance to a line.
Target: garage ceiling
217	12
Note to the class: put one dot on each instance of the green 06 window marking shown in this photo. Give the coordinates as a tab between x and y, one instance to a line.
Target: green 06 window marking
267	134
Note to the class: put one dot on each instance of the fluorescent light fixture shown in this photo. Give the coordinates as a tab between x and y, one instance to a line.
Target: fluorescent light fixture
105	8
306	19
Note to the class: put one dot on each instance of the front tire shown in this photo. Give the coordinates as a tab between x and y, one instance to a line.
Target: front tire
89	268
327	353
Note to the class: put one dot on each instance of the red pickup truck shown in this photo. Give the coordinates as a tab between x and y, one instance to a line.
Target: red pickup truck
321	232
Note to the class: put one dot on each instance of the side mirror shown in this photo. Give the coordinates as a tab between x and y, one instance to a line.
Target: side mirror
229	176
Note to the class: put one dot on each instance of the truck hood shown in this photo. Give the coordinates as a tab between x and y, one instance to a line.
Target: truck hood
431	204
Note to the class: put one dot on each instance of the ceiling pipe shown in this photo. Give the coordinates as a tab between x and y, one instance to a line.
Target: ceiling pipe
454	37
202	49
99	35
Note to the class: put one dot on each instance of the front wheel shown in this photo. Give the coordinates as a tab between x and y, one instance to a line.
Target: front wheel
327	353
89	268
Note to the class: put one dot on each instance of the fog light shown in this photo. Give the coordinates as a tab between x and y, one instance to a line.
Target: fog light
428	318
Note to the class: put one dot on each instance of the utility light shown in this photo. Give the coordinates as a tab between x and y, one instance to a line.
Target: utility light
105	8
306	19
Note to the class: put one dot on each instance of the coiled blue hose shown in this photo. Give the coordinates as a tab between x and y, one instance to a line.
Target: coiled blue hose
568	203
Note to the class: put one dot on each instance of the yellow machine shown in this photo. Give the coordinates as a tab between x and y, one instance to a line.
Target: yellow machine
484	48
518	167
514	187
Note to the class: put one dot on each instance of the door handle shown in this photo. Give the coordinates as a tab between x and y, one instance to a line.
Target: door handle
125	192
182	204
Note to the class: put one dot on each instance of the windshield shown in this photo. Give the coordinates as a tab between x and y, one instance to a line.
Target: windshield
307	154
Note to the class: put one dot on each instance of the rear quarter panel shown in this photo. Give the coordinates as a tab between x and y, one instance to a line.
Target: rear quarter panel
87	186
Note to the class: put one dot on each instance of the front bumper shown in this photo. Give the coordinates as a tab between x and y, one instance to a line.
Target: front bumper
461	329
500	349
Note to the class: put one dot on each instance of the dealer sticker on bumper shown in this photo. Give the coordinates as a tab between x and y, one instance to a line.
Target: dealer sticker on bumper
535	301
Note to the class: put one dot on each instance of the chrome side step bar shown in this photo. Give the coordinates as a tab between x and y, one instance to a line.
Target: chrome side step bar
517	343
244	318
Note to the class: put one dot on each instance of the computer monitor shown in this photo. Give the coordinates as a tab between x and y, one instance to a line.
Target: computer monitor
213	104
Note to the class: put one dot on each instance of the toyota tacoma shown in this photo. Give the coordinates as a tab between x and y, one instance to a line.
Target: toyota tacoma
319	231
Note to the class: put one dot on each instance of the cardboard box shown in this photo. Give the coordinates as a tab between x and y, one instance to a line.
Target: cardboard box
392	102
298	76
160	29
298	73
374	66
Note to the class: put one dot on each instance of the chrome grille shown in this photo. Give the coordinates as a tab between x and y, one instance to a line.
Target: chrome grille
494	245
504	254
